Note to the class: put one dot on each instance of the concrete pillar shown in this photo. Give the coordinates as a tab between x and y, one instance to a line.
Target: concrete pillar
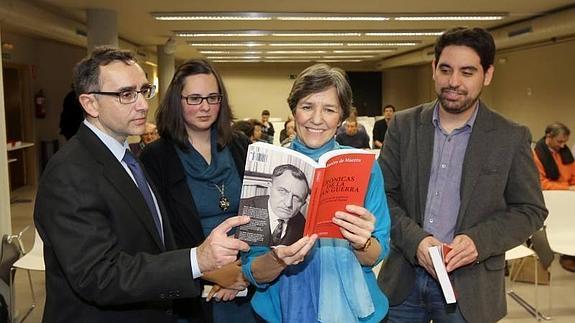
166	68
102	28
5	220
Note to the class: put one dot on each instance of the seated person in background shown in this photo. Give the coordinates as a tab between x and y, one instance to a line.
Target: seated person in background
147	137
352	115
251	128
556	168
380	126
352	137
554	160
267	127
288	133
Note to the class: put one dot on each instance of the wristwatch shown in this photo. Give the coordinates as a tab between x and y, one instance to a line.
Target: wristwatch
365	246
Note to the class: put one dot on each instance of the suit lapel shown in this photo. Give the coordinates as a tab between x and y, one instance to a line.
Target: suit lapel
119	178
476	155
425	140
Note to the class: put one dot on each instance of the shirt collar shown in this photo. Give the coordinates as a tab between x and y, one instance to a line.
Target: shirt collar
117	149
469	124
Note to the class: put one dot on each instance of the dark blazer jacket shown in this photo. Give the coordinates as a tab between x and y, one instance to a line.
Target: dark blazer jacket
104	259
295	225
501	204
167	172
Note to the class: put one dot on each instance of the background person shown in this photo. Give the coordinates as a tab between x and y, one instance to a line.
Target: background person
335	282
554	160
150	134
352	137
108	244
456	173
287	135
380	126
267	128
556	168
198	165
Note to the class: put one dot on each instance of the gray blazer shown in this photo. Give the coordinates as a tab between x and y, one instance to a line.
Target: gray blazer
501	204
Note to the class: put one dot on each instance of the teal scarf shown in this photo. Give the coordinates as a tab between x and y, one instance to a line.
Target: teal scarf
342	294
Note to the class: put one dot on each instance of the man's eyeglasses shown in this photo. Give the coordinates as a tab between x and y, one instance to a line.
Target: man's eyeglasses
130	96
197	100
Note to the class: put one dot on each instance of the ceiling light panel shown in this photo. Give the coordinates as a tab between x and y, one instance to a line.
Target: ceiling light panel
296	51
310	33
332	18
230	52
449	18
326	16
218	16
224	44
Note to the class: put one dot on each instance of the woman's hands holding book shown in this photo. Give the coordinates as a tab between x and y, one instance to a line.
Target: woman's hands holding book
294	253
270	265
357	224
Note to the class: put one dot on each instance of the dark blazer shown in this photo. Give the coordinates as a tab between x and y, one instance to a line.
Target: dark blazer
295	225
501	204
104	259
379	130
167	172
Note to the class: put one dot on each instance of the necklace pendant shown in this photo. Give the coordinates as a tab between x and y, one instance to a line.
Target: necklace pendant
224	203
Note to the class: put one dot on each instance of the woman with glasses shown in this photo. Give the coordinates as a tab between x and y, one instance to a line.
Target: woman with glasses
197	165
324	280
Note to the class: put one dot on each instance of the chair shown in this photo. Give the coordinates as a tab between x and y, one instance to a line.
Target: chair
33	260
559	224
522	252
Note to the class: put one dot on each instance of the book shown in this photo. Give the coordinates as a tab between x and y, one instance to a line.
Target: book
288	195
438	254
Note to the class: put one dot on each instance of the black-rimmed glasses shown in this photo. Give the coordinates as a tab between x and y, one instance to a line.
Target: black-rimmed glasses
130	96
197	99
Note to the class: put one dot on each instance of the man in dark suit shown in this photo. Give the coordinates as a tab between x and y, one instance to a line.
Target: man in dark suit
107	245
456	173
287	194
380	126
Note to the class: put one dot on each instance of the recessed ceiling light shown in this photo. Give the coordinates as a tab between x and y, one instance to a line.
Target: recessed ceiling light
233	57
223	34
339	60
286	61
360	51
211	16
348	56
332	18
404	34
448	18
316	34
380	44
292	57
310	44
235	52
235	61
245	44
296	51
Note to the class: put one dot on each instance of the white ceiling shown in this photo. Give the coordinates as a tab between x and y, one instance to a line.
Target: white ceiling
136	25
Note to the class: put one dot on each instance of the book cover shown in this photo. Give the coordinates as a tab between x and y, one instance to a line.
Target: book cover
437	254
287	194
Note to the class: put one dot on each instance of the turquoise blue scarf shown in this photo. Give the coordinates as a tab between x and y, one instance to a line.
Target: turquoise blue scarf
342	294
